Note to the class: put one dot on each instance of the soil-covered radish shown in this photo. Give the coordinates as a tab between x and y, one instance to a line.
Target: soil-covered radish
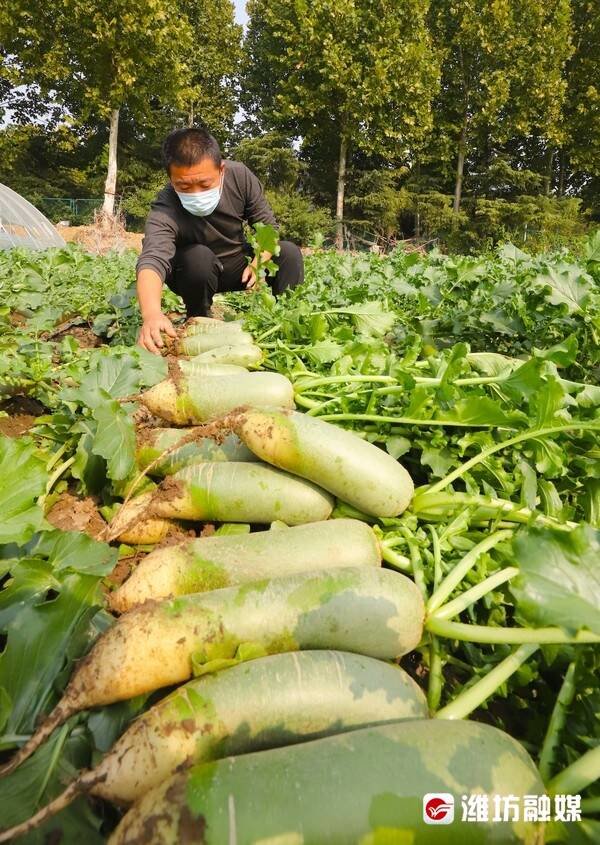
190	399
269	702
239	492
352	469
244	355
196	448
363	786
133	525
366	610
210	563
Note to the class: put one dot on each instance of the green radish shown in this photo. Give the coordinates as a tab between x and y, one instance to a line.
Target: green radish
206	325
189	400
198	343
367	610
209	563
239	492
196	448
352	469
269	702
191	367
357	788
211	322
131	524
243	355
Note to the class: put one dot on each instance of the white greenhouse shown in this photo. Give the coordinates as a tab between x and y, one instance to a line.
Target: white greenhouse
21	224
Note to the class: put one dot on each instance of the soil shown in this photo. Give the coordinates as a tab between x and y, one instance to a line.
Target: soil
123	569
71	513
22	413
17	319
85	337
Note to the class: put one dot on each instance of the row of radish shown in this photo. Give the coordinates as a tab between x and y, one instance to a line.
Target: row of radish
279	637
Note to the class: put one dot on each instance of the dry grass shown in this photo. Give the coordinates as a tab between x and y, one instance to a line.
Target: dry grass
104	235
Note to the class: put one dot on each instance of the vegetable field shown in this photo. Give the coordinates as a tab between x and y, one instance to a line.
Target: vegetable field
215	561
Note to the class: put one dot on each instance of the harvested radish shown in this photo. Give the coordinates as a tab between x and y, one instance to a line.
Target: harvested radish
196	344
272	701
209	563
352	469
239	492
192	367
363	786
132	525
207	325
366	610
196	448
188	400
244	356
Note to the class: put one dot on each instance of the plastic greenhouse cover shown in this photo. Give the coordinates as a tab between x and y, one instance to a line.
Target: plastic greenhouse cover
21	224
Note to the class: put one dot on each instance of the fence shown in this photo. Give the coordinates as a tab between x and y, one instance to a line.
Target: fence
77	211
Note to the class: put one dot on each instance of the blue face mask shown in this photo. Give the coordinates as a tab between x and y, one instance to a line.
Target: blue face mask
202	203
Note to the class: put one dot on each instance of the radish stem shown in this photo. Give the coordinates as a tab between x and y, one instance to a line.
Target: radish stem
434	686
456	575
460	603
557	722
397	561
578	775
507	636
474	696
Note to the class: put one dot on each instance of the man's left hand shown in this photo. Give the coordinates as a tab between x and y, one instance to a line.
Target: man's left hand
249	276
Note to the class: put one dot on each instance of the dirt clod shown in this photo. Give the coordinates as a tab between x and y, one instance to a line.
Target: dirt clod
71	513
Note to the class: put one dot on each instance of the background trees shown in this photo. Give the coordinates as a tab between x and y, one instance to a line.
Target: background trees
468	121
353	66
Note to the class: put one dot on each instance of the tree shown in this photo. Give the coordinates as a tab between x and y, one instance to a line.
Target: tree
502	73
582	108
363	71
98	56
213	61
271	158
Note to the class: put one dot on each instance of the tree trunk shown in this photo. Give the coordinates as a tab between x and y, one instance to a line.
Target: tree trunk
561	174
341	185
549	167
417	204
460	168
110	186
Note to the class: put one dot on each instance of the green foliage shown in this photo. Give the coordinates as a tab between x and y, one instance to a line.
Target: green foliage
356	69
212	59
136	205
376	199
502	73
298	218
272	159
581	117
98	57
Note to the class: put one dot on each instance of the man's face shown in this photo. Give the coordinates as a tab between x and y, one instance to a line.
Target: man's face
201	176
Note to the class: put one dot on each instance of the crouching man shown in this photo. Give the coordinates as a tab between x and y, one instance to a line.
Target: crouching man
194	240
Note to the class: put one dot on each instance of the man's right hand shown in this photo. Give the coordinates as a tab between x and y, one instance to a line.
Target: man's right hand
150	334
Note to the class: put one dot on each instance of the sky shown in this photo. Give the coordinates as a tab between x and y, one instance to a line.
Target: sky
240	11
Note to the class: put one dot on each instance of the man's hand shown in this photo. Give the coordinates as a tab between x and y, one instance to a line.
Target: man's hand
249	276
150	334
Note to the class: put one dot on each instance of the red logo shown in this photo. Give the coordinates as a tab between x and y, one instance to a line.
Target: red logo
438	808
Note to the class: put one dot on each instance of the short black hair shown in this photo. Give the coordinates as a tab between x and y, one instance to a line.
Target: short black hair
188	146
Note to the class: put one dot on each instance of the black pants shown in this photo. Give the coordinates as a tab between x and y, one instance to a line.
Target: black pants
197	274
